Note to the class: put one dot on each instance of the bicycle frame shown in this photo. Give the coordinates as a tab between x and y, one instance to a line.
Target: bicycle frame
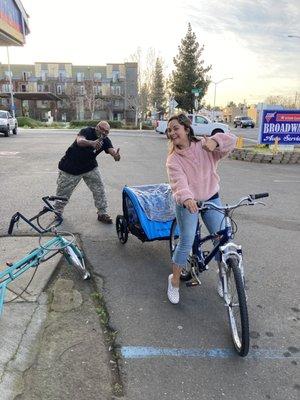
31	260
223	236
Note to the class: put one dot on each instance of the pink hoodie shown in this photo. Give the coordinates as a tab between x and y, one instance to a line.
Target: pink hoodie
193	171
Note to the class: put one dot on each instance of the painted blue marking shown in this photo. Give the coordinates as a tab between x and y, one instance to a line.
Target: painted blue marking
148	352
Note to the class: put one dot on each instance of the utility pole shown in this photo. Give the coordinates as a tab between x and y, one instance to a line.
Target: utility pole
10	86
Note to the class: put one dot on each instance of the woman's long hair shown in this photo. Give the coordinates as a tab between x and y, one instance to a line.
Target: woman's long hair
184	121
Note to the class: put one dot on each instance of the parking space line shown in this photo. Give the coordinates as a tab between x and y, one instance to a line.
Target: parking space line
285	181
133	352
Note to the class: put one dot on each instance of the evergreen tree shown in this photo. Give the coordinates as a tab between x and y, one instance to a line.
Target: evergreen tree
158	99
190	72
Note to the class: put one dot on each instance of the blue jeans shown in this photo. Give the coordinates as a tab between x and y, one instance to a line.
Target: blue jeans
187	222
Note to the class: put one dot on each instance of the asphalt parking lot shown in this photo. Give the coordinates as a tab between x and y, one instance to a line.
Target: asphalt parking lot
182	352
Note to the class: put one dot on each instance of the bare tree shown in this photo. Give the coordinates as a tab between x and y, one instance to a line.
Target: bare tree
142	102
91	97
285	101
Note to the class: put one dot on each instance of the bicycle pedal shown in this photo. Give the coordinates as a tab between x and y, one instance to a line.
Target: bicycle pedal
193	283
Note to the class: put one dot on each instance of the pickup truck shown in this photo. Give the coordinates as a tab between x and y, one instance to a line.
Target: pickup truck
8	123
200	124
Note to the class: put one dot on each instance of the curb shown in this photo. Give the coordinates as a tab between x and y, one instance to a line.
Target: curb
279	158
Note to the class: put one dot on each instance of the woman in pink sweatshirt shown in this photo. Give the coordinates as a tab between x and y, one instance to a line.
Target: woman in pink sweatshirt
192	170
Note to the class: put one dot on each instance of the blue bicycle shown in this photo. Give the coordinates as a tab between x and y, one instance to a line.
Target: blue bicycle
62	242
231	270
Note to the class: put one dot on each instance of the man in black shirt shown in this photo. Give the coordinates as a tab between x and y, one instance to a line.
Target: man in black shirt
80	162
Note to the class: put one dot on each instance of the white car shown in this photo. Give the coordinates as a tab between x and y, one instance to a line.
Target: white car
8	123
200	124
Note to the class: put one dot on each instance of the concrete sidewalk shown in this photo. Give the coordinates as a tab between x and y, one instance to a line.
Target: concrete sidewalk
55	343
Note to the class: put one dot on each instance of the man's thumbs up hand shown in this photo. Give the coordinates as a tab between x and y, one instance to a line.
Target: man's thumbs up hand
117	156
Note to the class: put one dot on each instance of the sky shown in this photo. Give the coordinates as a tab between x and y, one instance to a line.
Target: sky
245	40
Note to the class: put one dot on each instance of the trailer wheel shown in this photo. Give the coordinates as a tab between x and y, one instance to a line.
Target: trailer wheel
122	228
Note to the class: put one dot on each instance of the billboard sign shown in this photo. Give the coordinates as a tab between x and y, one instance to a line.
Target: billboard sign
13	23
281	124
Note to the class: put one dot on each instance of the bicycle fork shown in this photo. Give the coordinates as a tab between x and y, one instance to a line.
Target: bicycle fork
229	250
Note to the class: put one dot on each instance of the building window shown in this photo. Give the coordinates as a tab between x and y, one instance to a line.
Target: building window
25	75
5	87
23	88
44	75
117	103
97	76
80	76
81	90
7	73
40	88
62	75
115	76
97	90
116	90
58	89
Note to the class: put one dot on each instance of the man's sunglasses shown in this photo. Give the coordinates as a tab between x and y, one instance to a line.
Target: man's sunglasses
106	131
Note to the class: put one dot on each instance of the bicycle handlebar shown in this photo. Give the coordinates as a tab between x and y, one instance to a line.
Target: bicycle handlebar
47	199
259	195
205	205
15	218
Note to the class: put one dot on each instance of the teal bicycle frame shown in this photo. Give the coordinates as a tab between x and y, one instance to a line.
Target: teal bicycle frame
58	244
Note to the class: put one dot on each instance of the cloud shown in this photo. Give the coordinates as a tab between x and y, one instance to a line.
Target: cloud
262	27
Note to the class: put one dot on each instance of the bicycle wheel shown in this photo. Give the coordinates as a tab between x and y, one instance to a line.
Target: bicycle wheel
122	229
173	242
237	308
75	257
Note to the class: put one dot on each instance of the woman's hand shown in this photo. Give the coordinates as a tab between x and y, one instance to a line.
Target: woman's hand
209	144
191	205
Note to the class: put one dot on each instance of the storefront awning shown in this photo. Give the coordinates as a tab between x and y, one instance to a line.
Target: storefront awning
32	96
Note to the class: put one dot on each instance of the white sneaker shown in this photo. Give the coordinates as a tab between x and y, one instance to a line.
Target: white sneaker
220	288
173	292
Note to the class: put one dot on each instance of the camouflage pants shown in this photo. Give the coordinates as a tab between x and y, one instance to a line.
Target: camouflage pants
66	183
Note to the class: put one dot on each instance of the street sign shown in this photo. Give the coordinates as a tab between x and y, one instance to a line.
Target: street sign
196	91
173	103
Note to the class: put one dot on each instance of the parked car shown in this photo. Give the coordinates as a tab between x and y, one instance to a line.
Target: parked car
243	122
200	124
8	123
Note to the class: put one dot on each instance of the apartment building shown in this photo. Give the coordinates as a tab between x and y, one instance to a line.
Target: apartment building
67	92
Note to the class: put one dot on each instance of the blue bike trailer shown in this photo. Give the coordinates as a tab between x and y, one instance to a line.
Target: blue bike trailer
149	211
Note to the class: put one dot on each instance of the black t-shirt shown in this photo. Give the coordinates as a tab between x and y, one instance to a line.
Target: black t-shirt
79	160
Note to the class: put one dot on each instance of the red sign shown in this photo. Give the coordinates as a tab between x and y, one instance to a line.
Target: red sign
288	117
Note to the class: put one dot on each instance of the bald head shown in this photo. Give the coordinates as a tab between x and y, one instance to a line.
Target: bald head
103	128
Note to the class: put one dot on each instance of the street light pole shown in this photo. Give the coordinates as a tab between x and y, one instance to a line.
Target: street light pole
215	93
10	86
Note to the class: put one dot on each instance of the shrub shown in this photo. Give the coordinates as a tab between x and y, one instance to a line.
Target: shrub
147	126
83	123
93	122
29	122
115	124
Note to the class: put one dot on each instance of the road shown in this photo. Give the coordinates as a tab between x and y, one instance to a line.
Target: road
185	351
250	135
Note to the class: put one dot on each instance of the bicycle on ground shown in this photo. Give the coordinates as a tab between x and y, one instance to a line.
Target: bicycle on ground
62	242
231	270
